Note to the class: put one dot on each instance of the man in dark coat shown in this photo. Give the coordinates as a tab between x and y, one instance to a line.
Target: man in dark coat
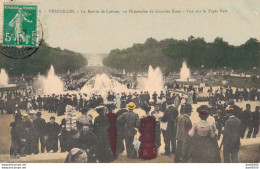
123	101
170	133
20	137
39	101
88	142
183	125
131	121
64	136
44	101
231	137
120	132
2	105
255	117
30	134
154	97
15	137
61	107
250	124
52	131
245	117
40	128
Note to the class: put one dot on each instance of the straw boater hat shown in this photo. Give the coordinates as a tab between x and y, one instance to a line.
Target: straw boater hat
131	106
26	116
230	110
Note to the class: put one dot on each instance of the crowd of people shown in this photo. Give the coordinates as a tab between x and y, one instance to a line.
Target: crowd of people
101	139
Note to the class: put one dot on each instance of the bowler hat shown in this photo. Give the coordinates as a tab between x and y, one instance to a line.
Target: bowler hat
146	107
84	110
38	113
231	102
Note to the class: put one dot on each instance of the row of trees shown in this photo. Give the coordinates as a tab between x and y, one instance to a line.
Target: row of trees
170	53
40	62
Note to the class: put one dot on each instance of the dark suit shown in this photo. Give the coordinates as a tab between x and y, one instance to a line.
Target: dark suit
170	134
120	133
244	122
255	117
40	127
52	131
130	121
88	142
231	139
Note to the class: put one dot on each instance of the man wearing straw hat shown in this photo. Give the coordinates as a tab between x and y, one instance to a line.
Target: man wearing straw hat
131	121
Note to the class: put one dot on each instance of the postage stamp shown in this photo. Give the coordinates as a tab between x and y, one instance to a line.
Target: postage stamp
20	25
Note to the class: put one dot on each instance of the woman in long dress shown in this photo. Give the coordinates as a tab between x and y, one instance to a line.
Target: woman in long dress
101	125
202	134
118	101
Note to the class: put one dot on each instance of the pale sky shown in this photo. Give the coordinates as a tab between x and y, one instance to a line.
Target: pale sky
100	33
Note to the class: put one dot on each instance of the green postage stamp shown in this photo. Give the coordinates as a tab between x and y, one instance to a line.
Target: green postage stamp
20	25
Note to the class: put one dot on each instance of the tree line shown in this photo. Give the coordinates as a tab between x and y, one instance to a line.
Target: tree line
40	62
169	54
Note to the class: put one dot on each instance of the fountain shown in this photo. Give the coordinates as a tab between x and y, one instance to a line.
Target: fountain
101	84
3	78
95	60
4	81
185	74
50	84
153	82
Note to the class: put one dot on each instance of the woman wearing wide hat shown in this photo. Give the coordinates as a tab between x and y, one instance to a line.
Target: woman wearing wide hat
147	149
101	125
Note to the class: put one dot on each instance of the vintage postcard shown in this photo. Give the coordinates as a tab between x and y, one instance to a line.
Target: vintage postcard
129	81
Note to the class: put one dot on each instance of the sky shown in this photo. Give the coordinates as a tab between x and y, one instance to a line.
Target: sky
100	33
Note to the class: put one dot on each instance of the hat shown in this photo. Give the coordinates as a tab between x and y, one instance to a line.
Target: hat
110	106
100	109
131	106
203	112
74	151
26	116
203	109
84	110
219	111
18	116
38	113
52	117
230	110
231	102
146	107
